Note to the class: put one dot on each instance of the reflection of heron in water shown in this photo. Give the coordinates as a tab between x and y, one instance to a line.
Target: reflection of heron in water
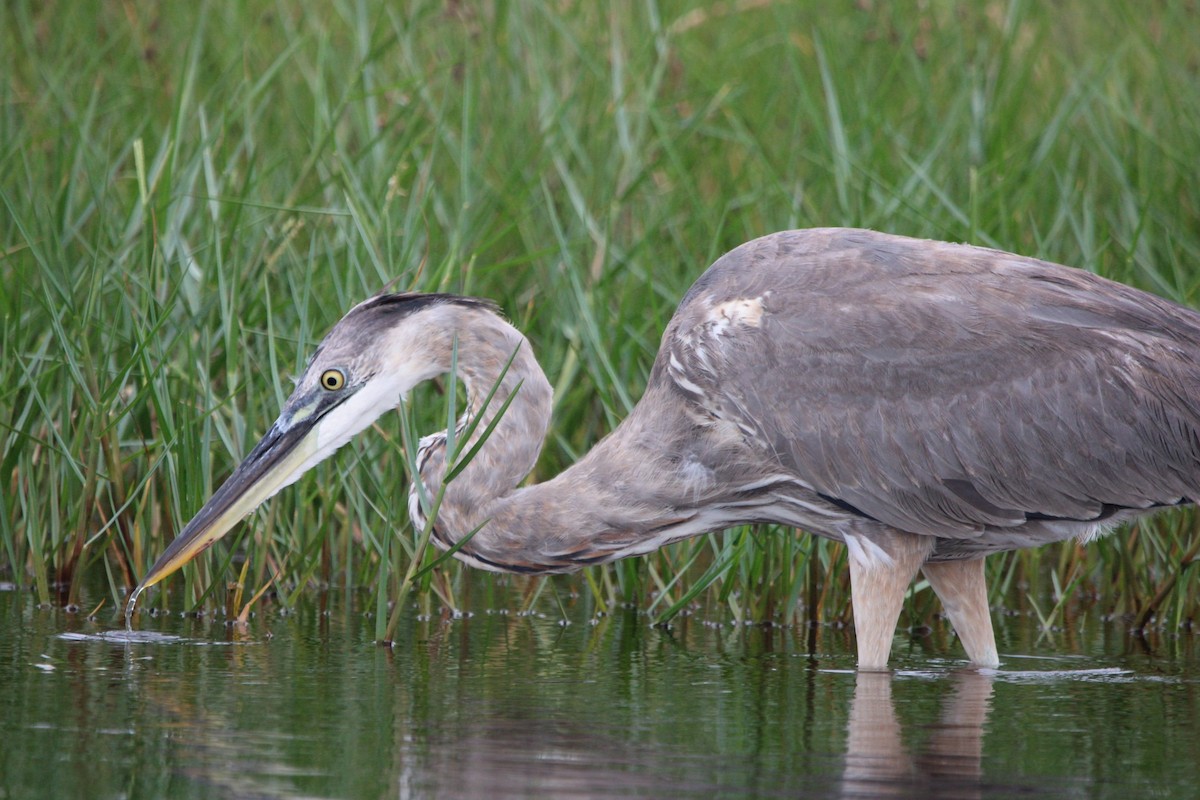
925	403
947	764
490	754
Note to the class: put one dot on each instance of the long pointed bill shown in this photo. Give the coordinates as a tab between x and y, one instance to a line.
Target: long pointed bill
277	460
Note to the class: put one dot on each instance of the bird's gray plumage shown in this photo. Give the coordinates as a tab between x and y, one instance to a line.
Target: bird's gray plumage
926	403
853	382
986	399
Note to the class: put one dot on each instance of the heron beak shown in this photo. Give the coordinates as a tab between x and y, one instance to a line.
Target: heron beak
279	459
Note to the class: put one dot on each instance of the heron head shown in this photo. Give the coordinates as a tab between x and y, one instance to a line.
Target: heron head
364	367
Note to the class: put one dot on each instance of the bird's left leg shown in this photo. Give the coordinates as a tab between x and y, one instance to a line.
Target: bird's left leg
963	591
881	569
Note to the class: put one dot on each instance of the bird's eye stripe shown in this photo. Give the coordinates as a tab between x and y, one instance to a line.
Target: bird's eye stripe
333	379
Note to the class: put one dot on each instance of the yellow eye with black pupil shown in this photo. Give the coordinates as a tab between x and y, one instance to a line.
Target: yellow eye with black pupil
332	379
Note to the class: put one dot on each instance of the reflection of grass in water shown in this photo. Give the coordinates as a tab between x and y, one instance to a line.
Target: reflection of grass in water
189	211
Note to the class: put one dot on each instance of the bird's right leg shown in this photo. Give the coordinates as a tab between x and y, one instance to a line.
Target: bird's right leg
881	570
963	591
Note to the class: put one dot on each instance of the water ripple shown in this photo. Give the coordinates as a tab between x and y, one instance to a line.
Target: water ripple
123	636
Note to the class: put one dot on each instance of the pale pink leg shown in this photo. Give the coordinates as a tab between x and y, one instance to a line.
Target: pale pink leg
878	584
963	592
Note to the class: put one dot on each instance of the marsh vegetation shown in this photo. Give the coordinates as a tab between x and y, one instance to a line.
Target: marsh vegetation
193	194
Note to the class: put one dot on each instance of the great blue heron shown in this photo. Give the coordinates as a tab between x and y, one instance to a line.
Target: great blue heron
925	403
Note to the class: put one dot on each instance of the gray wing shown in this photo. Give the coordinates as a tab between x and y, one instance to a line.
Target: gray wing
945	388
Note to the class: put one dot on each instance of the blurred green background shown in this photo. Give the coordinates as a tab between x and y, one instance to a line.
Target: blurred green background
194	193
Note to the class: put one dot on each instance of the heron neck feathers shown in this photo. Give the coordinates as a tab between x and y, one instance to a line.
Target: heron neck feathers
604	507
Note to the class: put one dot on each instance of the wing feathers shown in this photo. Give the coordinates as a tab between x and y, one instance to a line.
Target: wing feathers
944	388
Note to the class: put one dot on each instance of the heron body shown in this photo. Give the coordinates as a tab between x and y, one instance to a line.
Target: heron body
925	403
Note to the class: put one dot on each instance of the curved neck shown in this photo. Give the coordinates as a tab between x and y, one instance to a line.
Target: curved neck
485	344
621	499
636	490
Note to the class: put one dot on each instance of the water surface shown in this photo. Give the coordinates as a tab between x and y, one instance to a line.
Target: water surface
502	704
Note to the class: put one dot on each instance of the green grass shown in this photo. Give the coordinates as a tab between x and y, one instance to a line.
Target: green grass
193	193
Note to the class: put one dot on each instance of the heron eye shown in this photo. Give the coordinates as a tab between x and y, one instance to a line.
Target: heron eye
333	379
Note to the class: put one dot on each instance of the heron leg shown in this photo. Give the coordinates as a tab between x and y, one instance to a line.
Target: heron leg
963	592
877	588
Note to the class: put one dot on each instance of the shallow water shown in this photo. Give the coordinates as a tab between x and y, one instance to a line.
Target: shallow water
505	705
